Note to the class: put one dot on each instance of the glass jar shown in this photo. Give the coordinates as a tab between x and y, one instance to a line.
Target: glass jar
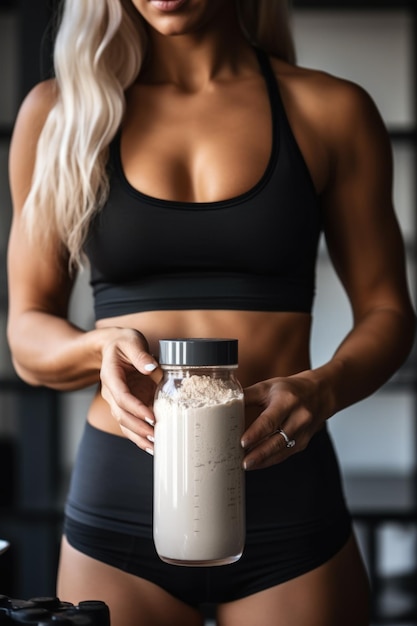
199	507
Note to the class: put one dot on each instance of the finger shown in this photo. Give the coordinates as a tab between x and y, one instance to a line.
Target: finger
123	404
132	347
254	395
265	424
270	451
138	428
156	374
145	443
116	388
144	362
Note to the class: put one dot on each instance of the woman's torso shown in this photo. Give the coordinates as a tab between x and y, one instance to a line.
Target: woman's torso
224	154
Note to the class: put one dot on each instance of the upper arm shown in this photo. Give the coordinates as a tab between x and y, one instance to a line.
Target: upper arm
360	224
37	276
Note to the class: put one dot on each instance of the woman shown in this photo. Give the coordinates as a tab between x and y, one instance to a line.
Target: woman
182	150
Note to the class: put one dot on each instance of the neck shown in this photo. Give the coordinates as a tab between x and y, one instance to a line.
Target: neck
193	60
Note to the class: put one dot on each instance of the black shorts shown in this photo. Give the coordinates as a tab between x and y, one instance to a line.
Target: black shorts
296	519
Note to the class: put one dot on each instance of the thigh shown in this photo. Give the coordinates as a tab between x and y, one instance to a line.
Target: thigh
131	600
337	592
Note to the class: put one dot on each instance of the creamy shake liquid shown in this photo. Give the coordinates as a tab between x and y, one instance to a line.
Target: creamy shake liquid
199	480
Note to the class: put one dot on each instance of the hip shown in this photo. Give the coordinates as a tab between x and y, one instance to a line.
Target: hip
112	487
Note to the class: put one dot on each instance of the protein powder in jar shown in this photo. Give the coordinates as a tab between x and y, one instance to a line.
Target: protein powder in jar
199	507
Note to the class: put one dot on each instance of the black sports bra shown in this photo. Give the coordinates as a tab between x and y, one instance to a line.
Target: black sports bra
256	251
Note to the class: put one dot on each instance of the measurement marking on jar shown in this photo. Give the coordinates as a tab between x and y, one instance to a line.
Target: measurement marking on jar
197	477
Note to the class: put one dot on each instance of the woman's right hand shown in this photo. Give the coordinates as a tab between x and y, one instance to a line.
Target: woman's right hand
129	375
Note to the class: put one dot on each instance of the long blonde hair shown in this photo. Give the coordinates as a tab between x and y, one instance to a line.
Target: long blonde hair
98	53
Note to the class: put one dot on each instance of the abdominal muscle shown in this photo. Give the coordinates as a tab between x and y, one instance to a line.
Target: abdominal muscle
270	345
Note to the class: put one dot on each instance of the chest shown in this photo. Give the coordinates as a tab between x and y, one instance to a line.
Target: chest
206	184
201	147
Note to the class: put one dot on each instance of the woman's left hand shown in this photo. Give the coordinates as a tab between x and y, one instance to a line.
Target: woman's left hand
289	418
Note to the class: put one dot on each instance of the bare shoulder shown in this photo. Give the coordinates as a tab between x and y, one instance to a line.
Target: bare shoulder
35	109
30	120
337	125
338	108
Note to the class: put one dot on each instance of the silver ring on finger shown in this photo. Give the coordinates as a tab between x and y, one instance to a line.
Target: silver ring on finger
289	443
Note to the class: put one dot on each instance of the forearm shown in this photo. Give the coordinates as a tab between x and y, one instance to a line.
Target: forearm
47	350
370	354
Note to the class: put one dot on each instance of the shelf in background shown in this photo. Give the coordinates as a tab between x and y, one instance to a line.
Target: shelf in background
382	497
375	500
403	135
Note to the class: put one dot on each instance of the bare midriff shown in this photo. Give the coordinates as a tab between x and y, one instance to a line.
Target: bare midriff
270	344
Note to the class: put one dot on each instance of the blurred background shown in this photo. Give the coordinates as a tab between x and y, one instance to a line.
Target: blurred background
373	43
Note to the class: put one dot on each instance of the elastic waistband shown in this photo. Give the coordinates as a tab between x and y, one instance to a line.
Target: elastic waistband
201	291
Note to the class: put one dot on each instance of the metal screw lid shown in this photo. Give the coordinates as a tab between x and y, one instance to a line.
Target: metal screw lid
198	352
